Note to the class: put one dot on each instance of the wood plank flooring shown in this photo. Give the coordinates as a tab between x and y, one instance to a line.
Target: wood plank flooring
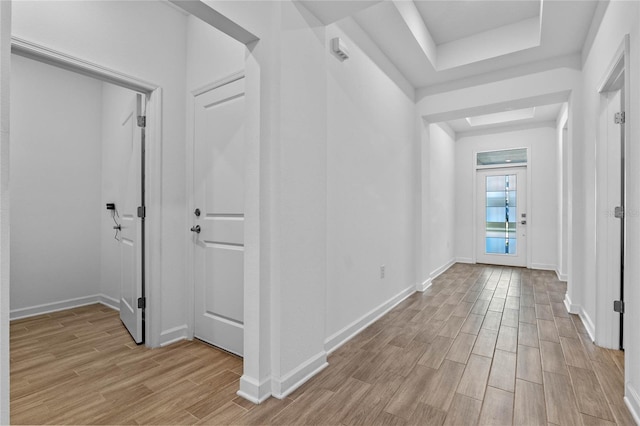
484	345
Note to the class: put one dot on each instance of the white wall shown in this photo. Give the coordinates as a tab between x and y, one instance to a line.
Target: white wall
211	55
55	186
620	18
5	72
441	217
371	162
543	209
562	147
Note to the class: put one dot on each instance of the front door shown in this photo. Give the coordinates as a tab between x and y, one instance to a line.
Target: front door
130	236
218	218
502	216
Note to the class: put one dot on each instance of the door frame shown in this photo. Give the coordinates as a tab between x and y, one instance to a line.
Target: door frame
476	168
151	163
191	204
606	318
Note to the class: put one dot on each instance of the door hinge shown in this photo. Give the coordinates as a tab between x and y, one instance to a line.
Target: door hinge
618	212
142	302
618	306
142	121
619	118
142	212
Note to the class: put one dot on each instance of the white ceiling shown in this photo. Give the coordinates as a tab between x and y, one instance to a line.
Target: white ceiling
542	114
452	20
564	27
432	42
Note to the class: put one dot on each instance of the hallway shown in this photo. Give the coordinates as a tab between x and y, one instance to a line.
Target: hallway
484	344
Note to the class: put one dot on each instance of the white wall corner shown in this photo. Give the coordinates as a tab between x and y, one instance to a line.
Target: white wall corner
464	260
109	301
173	335
588	324
561	277
254	390
423	286
632	400
341	337
48	308
579	310
439	271
571	308
284	386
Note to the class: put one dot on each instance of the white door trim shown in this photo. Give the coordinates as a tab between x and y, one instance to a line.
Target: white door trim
605	318
153	169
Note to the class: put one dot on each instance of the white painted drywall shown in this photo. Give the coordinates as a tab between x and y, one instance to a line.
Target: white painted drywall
543	209
5	72
55	184
620	18
371	161
211	55
562	146
441	215
300	202
146	40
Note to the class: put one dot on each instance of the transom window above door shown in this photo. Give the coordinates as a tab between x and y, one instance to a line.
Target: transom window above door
504	157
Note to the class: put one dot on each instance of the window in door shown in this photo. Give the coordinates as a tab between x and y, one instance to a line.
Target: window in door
502	211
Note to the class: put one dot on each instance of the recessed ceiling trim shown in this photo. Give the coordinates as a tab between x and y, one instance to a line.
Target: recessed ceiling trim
419	30
493	43
489	44
501	117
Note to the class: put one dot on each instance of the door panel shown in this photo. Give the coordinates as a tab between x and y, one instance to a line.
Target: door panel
219	195
609	228
501	217
131	233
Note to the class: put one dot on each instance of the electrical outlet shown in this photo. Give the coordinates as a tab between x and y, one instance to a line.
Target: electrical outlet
382	271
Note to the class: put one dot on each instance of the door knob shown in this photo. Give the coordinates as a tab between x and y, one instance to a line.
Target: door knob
523	222
195	229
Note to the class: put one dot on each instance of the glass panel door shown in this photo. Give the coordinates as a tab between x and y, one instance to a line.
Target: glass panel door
501	216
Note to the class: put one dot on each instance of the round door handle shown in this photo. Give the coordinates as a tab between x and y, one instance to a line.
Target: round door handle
523	222
195	229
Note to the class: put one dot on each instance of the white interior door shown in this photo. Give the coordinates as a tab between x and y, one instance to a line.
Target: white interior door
501	215
218	231
609	233
130	198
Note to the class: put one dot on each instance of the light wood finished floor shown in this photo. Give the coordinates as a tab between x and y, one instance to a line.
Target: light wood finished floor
484	345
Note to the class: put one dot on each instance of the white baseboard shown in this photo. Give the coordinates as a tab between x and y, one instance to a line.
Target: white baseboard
632	400
573	308
424	285
588	324
562	277
253	390
543	267
173	335
109	301
291	381
48	308
464	260
338	339
439	271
